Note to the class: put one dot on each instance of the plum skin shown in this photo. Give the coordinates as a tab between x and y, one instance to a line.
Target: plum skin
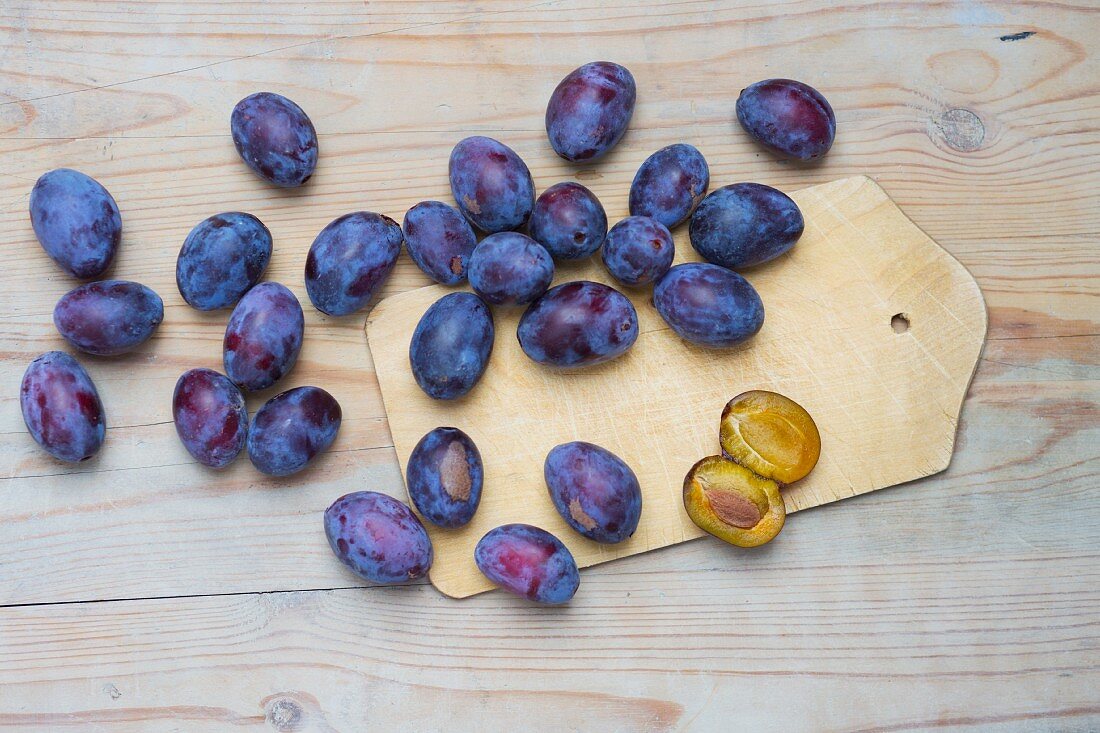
349	260
638	250
670	184
61	407
444	477
439	240
275	138
509	268
576	324
223	257
108	317
569	221
491	184
451	345
76	221
263	337
787	117
745	224
529	562
210	417
590	110
594	491
291	429
378	538
708	305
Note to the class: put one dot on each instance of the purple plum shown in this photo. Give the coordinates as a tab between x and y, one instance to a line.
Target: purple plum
638	250
510	268
589	111
787	117
708	305
444	477
440	241
745	224
275	138
222	258
291	429
349	261
529	562
578	324
263	337
569	221
451	344
108	317
76	221
594	491
61	407
670	184
491	184
378	538
210	416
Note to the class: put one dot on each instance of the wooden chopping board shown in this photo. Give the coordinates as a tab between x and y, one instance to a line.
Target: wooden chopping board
869	324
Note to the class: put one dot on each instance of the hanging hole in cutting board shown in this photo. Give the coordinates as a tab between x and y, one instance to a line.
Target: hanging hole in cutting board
900	323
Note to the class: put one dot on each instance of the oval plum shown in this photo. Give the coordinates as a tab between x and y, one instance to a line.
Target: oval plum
578	324
451	345
491	184
291	429
594	491
440	241
76	221
510	268
210	416
569	221
108	317
529	562
275	138
444	477
61	407
350	259
222	258
263	337
708	305
638	250
589	111
745	224
378	538
787	117
670	184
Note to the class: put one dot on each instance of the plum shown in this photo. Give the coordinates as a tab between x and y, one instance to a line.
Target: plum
787	117
708	305
210	416
378	538
291	429
491	184
578	324
589	111
529	562
440	241
594	491
350	259
444	476
569	221
770	434
108	317
451	345
638	250
76	221
275	138
745	224
221	259
729	501
510	268
670	184
263	337
61	407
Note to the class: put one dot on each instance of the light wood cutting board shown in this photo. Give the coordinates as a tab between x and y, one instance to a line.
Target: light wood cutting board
886	402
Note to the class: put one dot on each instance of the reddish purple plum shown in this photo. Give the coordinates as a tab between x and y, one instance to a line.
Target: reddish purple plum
638	250
210	416
589	111
440	241
594	491
275	138
529	562
670	184
578	324
349	261
222	258
745	224
444	477
108	317
378	538
451	345
708	305
787	117
569	221
510	268
492	185
263	337
61	407
76	221
291	429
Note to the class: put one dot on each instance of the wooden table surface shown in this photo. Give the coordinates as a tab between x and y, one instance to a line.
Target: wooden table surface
141	593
